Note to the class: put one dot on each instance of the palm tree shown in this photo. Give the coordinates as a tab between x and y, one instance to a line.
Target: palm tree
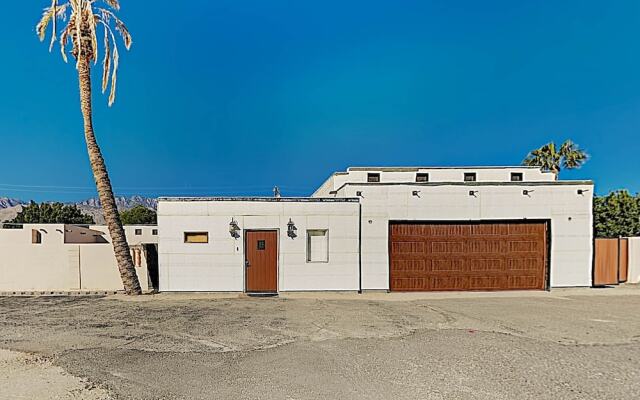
569	156
81	20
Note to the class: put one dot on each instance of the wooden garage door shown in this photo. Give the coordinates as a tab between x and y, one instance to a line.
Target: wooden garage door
467	256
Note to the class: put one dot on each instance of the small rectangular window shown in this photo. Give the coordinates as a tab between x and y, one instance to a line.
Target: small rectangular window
422	177
469	176
36	236
196	237
154	232
138	232
371	177
262	245
517	177
317	245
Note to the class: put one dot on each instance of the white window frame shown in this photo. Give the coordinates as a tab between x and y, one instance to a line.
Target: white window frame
326	236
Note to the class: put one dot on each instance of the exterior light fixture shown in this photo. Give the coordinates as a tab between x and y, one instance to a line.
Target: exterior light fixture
582	191
473	193
234	229
527	192
291	229
359	194
416	193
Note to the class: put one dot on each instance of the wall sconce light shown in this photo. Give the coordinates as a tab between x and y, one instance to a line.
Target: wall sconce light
234	229
473	193
291	229
582	191
359	194
527	192
416	193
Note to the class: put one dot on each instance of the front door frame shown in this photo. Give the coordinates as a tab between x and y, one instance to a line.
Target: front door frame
244	259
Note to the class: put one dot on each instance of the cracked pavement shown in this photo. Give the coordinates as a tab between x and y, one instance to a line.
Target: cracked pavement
572	344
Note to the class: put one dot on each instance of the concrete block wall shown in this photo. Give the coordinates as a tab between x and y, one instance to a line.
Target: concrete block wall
570	214
53	265
634	260
48	266
219	264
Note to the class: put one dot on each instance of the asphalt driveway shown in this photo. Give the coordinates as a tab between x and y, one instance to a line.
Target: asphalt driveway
567	344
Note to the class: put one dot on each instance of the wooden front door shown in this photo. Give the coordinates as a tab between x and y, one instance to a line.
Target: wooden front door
261	261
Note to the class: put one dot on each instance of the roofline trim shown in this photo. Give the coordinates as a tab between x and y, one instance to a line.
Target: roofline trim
520	184
413	169
265	199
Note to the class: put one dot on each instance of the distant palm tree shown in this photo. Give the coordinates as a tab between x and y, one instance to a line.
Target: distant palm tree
549	158
81	19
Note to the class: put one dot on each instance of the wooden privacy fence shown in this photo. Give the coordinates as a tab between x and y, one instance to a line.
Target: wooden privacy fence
611	261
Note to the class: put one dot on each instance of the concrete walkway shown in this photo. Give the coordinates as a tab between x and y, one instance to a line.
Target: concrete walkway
621	290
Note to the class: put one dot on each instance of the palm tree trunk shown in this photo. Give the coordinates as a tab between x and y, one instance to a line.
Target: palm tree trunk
103	184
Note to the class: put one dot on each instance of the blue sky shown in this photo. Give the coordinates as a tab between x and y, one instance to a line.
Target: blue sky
236	96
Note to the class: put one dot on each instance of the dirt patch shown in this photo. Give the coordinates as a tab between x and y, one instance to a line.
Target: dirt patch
24	376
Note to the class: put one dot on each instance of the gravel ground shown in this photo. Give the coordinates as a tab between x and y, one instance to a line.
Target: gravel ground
573	344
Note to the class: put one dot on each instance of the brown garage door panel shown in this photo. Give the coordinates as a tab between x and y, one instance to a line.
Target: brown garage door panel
468	256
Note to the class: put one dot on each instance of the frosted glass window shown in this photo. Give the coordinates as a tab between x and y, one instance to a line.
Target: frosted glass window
317	245
196	237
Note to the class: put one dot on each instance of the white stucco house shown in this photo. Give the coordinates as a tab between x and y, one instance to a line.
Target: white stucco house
398	229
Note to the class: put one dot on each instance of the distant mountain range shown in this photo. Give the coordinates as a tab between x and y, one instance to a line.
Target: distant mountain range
122	202
9	208
6	202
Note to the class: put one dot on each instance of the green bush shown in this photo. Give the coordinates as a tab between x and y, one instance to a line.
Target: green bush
139	215
52	213
617	214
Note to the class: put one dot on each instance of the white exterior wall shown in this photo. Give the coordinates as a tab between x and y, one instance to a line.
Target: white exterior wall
443	174
570	215
46	266
219	264
634	260
56	266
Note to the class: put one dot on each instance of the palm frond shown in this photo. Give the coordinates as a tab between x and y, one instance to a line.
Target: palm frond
120	26
41	27
115	58
54	29
82	18
106	64
114	74
64	39
60	12
544	157
113	4
572	155
551	158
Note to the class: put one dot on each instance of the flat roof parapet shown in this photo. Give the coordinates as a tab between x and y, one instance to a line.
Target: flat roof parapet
415	169
267	199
